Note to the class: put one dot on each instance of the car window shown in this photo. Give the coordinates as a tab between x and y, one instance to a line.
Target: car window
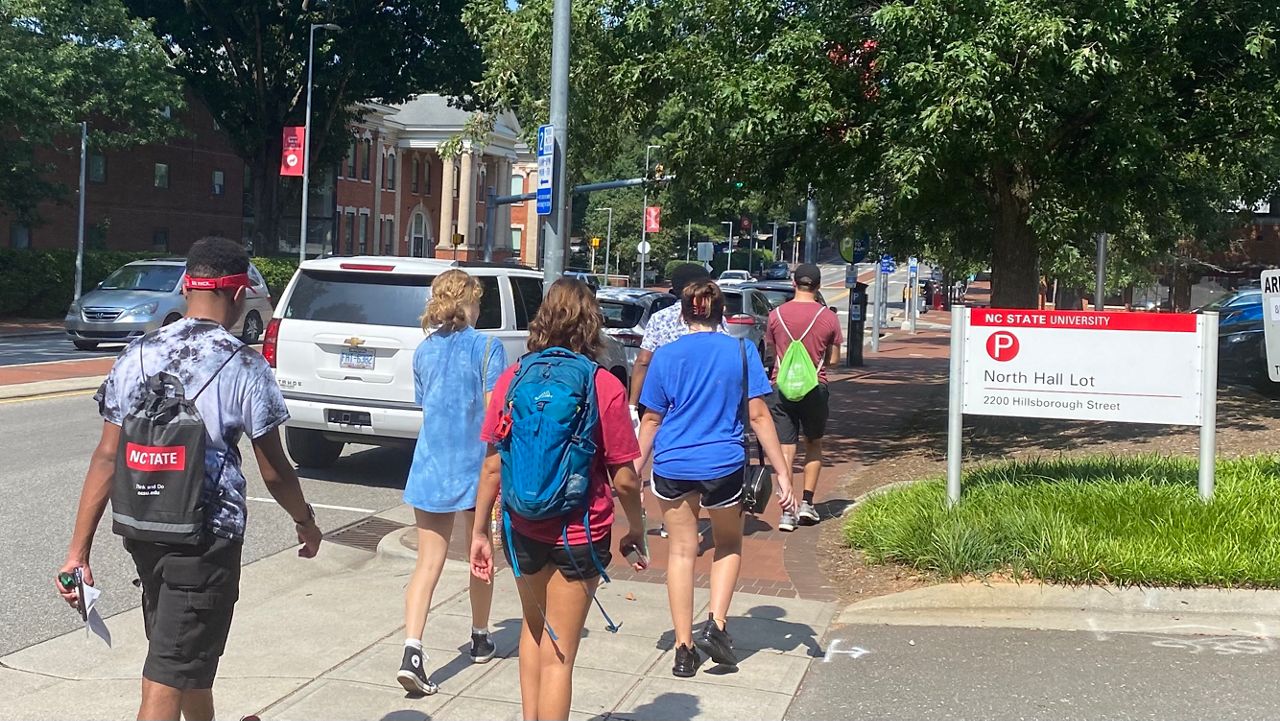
666	300
732	304
255	276
528	298
162	278
619	314
376	299
761	305
490	304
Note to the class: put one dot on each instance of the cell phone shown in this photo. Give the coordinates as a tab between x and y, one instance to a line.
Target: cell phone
75	580
636	555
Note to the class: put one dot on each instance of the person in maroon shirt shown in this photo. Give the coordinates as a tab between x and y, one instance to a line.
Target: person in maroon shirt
557	578
818	329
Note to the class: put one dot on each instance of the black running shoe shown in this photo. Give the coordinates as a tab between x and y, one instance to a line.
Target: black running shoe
482	648
687	662
413	675
716	643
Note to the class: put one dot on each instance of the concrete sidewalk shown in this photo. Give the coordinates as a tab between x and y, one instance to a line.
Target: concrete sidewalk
322	639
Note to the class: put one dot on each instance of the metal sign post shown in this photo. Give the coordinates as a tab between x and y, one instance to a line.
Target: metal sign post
1208	402
875	310
955	407
913	300
1271	321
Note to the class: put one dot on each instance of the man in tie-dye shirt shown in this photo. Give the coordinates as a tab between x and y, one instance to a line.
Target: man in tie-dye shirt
190	591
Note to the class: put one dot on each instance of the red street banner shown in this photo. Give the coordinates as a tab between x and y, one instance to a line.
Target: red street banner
291	151
652	219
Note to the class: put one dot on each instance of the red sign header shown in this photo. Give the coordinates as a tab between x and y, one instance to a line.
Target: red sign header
291	160
155	458
1082	320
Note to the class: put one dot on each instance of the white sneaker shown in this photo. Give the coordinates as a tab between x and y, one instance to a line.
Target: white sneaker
787	522
808	514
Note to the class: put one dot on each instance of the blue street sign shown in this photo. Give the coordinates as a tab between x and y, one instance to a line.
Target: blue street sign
546	165
913	264
887	265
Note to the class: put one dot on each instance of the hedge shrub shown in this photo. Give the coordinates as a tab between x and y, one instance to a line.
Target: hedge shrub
671	266
39	283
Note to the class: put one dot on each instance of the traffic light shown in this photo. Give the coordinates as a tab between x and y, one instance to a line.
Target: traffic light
658	171
595	241
739	184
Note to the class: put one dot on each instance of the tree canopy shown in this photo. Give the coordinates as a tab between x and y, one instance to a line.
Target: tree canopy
247	60
988	131
68	61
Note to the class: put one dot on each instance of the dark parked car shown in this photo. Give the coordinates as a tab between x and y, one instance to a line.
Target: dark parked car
1242	351
776	271
777	292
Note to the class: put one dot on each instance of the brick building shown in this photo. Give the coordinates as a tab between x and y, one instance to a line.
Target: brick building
161	197
392	194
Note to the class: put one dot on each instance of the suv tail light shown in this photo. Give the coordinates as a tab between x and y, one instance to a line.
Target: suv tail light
740	319
270	342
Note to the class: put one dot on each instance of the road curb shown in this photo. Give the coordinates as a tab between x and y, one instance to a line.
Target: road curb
33	334
392	545
40	388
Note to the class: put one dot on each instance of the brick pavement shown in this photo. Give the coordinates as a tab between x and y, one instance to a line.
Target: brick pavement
17	327
55	371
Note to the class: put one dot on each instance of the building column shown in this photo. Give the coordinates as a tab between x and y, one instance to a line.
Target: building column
378	170
466	199
399	209
446	203
502	234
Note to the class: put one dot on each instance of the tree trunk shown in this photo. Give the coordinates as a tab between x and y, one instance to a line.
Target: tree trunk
266	197
1014	256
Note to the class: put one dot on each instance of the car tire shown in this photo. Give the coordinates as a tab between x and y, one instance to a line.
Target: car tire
310	448
84	345
252	331
171	318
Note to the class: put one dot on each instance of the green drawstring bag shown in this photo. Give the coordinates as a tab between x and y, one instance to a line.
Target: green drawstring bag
796	373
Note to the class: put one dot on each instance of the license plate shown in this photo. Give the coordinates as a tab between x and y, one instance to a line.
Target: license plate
356	359
348	418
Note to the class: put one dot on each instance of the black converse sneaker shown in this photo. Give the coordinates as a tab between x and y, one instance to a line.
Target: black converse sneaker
716	643
687	662
482	649
413	675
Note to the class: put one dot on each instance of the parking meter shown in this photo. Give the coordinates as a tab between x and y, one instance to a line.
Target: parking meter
857	324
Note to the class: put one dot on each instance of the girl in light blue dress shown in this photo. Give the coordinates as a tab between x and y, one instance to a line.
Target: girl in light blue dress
454	370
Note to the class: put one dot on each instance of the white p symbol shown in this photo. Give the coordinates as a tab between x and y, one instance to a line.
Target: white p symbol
1002	346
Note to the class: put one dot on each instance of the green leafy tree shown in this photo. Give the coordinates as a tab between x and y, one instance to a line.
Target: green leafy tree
247	60
68	61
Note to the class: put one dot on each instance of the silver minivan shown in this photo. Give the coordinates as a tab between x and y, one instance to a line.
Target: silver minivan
146	294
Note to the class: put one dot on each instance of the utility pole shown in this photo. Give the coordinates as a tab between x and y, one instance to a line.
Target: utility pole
608	243
84	154
688	241
556	232
1100	281
728	261
644	212
306	138
775	241
811	227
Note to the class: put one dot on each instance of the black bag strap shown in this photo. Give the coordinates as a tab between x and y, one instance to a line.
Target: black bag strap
215	373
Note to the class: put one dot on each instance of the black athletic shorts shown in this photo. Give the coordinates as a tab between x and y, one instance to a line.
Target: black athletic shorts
188	595
807	415
574	562
723	492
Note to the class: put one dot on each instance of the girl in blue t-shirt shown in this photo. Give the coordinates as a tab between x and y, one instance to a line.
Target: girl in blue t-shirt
694	427
454	370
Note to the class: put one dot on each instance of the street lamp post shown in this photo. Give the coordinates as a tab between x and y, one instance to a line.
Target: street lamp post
608	243
306	136
688	241
728	261
795	243
644	213
775	241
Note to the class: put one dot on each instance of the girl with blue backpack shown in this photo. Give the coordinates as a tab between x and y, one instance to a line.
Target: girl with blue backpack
454	370
699	395
561	444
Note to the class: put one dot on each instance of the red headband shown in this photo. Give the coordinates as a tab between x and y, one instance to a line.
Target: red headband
240	280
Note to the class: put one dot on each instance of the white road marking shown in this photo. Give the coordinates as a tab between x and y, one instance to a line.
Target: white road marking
833	649
323	506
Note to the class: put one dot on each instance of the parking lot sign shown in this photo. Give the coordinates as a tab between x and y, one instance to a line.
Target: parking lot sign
1271	321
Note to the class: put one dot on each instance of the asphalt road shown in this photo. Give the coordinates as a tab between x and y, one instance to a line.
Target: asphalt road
42	464
909	673
46	348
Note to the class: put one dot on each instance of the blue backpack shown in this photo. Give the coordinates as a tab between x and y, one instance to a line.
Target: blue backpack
549	449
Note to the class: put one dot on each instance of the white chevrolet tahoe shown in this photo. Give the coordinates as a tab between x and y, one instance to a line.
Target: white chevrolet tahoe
343	336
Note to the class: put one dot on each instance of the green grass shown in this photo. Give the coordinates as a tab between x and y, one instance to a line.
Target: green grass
1133	520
